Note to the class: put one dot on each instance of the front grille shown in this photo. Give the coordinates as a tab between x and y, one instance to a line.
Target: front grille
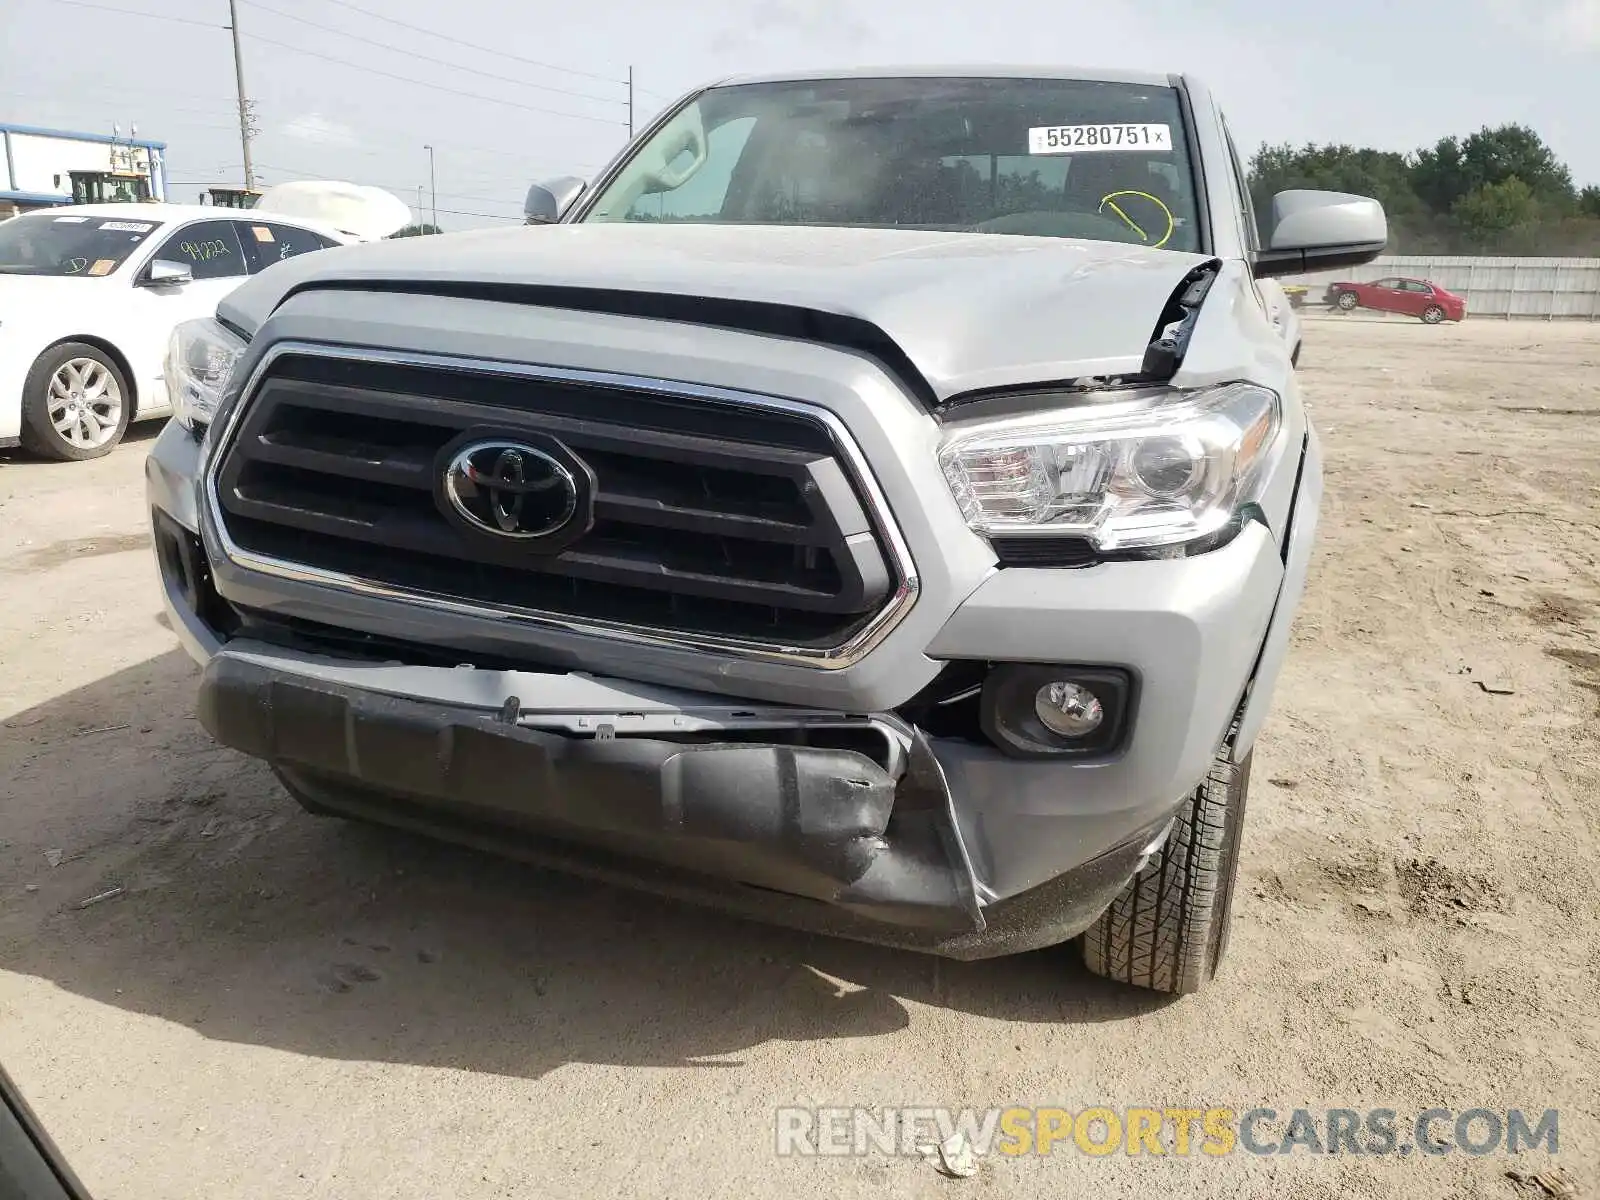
711	518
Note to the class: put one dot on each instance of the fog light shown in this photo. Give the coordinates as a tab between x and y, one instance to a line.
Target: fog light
1068	709
1039	710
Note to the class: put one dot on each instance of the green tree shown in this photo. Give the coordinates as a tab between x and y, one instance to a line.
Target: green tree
1455	167
416	230
1492	213
1500	189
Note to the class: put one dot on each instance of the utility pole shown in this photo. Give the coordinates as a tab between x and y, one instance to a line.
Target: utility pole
419	204
433	187
630	100
244	105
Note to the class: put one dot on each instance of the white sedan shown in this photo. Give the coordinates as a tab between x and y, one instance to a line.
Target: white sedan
89	295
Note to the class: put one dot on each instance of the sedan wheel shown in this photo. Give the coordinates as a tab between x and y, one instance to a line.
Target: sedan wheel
85	403
1432	315
76	403
1348	300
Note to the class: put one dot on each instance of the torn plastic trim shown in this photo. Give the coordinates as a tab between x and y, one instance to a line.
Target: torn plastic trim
810	821
1162	358
896	736
1170	341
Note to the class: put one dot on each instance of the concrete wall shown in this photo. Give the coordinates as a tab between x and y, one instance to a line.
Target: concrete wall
1493	287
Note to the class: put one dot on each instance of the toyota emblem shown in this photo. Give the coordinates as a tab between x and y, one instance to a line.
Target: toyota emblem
511	489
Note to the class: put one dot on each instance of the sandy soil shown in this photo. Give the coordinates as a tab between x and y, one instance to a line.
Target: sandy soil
277	1006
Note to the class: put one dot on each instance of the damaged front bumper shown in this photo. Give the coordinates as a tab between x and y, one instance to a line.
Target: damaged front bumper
837	824
836	808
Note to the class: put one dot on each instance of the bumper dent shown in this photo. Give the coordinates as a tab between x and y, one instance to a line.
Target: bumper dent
826	824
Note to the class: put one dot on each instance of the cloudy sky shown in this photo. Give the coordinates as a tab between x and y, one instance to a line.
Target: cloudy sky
507	92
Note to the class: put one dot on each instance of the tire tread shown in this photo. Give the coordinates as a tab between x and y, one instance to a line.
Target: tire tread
1167	930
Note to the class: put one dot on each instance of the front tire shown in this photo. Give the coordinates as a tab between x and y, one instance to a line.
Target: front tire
1347	301
1432	315
1168	929
75	404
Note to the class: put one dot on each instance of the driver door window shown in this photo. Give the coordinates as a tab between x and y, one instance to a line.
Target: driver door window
704	192
210	249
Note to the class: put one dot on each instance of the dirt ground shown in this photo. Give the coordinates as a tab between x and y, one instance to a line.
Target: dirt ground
277	1006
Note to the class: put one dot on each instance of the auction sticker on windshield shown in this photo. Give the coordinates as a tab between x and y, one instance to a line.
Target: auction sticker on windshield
1079	139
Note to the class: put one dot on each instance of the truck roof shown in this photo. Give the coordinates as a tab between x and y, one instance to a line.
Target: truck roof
959	71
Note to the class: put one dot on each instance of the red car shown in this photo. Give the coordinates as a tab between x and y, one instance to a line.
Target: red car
1413	297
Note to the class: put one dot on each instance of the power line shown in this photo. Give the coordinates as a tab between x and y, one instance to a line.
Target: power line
443	62
77	100
407	140
456	212
394	187
438	87
390	148
515	202
123	94
481	49
225	107
374	70
128	12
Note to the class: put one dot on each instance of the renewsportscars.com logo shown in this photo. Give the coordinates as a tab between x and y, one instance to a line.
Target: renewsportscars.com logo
1209	1132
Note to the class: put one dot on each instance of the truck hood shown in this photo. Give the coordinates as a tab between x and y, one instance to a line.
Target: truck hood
969	311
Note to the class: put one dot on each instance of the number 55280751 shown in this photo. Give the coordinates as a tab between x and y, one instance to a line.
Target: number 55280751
1081	139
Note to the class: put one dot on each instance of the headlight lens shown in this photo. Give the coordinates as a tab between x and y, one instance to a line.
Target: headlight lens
1125	476
200	360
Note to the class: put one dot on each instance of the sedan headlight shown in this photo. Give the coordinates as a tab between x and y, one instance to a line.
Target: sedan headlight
200	360
1125	476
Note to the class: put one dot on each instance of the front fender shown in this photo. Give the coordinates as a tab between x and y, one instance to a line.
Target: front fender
1298	544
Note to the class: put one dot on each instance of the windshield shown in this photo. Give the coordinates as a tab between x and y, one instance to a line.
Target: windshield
68	244
1047	157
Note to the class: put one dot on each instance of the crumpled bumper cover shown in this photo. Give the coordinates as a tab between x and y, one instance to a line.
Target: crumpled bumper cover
820	838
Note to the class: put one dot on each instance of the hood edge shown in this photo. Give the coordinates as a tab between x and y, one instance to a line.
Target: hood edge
769	317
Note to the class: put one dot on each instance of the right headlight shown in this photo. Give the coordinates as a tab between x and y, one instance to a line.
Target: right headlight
200	359
1127	475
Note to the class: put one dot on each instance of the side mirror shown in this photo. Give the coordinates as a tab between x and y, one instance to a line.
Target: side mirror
1313	230
166	273
547	201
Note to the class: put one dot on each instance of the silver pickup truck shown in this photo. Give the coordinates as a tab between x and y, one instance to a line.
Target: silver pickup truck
878	504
